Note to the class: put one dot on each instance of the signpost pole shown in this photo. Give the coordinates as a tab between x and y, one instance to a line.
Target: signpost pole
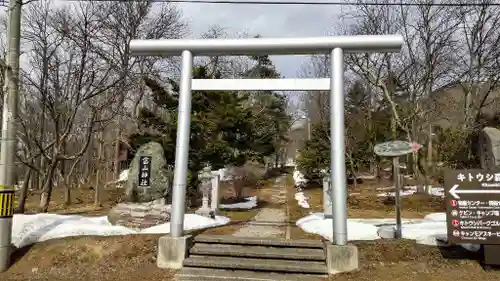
397	196
395	149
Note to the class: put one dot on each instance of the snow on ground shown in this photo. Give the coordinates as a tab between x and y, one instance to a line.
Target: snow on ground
401	166
299	181
29	229
430	230
298	178
412	189
317	224
250	203
123	176
302	199
367	177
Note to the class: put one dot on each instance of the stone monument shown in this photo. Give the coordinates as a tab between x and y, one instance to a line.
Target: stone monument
489	148
146	190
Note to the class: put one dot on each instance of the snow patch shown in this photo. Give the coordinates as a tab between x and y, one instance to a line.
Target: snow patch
30	229
428	231
302	200
317	224
298	178
410	190
299	181
250	203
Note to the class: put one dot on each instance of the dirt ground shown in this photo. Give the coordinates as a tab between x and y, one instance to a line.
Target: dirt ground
133	257
405	260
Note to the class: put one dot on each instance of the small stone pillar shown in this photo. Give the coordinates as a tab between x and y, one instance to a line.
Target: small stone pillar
214	203
327	203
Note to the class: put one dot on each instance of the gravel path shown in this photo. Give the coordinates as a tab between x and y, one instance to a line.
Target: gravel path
269	222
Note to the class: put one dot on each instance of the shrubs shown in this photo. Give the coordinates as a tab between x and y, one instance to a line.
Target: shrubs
250	174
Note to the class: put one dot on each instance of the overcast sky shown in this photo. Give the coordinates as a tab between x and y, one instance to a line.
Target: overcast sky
266	20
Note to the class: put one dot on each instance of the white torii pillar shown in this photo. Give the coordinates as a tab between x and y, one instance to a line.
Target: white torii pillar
335	46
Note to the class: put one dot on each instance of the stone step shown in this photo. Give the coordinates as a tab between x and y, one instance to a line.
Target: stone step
204	274
270	223
255	241
256	264
258	252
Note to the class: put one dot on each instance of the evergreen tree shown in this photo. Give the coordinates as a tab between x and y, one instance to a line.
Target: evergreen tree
274	121
225	130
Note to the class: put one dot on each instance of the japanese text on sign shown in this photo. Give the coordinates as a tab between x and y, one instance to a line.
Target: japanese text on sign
145	170
473	206
483	178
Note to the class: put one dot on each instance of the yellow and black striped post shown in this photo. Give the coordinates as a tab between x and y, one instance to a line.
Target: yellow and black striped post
6	203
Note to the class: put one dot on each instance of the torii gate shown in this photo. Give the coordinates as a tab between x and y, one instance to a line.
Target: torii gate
336	46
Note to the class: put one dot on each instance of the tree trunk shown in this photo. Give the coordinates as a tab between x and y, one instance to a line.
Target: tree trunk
47	188
430	163
67	189
67	193
371	144
100	160
35	179
87	164
24	192
394	136
117	151
41	177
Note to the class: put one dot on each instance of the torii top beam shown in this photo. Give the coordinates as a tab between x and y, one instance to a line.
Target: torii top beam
266	46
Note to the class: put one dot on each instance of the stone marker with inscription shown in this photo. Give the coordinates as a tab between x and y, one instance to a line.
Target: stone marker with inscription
148	176
473	209
146	191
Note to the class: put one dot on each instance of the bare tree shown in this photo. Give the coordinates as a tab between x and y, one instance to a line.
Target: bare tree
80	81
478	62
406	81
67	77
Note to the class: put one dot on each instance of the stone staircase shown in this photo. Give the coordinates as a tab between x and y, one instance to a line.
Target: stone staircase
230	258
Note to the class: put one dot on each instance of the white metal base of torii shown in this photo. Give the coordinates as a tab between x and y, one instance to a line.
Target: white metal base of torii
335	46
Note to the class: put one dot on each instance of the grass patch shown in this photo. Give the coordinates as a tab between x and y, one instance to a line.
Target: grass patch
238	219
295	212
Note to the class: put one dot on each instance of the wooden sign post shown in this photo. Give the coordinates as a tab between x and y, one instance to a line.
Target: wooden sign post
395	149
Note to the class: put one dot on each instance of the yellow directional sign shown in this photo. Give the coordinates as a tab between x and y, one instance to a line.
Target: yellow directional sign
6	203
